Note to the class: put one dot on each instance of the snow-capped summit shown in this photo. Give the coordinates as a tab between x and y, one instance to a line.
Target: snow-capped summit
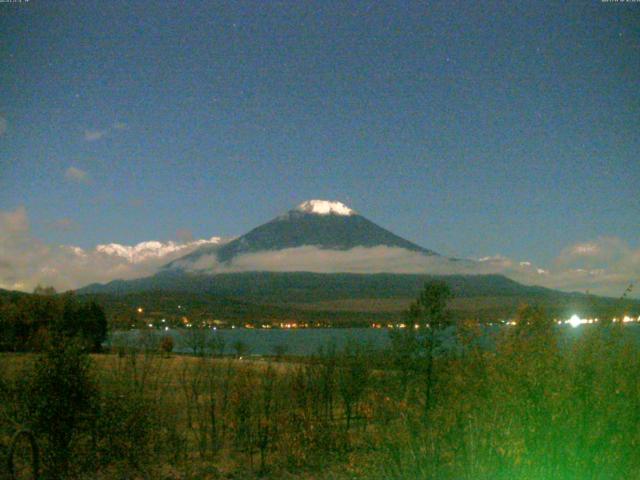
325	207
322	224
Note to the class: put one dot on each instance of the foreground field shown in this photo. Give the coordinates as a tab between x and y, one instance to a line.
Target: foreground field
530	408
171	416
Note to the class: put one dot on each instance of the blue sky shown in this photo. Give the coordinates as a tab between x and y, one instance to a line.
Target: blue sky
471	128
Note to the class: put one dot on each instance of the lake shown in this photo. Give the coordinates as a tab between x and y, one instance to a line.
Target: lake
301	341
304	341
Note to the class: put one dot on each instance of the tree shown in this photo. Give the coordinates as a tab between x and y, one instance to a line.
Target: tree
41	290
431	305
216	343
429	311
353	378
406	350
60	391
166	345
196	340
26	321
240	348
94	327
87	321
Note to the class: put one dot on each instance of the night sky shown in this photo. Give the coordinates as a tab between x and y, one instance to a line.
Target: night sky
470	128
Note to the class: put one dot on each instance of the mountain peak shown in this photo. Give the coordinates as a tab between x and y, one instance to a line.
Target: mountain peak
325	207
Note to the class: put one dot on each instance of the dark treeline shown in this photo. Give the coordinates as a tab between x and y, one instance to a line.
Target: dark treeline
27	321
533	406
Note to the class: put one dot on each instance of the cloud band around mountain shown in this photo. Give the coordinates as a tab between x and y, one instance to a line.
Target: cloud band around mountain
603	266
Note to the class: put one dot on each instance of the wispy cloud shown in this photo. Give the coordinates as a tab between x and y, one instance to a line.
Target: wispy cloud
93	135
74	174
26	261
609	277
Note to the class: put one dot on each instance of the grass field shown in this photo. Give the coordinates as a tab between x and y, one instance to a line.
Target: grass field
528	409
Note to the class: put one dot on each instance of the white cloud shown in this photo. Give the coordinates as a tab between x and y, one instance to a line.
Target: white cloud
583	249
607	279
356	260
94	135
604	250
76	175
26	261
145	251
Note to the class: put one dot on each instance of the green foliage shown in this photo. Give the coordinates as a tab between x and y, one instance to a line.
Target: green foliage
44	290
27	321
405	355
533	407
534	404
353	378
195	339
431	305
59	393
240	348
216	344
330	298
166	344
123	427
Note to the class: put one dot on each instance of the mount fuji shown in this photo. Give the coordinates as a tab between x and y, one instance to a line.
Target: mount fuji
323	260
325	225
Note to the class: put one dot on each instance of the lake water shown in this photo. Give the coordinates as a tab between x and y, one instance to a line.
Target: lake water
301	341
306	341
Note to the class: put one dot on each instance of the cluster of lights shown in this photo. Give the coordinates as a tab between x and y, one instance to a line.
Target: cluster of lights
166	328
627	319
575	321
391	326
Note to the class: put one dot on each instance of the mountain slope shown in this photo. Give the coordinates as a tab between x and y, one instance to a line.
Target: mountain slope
331	233
283	287
336	297
318	223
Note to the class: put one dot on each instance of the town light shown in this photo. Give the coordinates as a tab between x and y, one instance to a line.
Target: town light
575	321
